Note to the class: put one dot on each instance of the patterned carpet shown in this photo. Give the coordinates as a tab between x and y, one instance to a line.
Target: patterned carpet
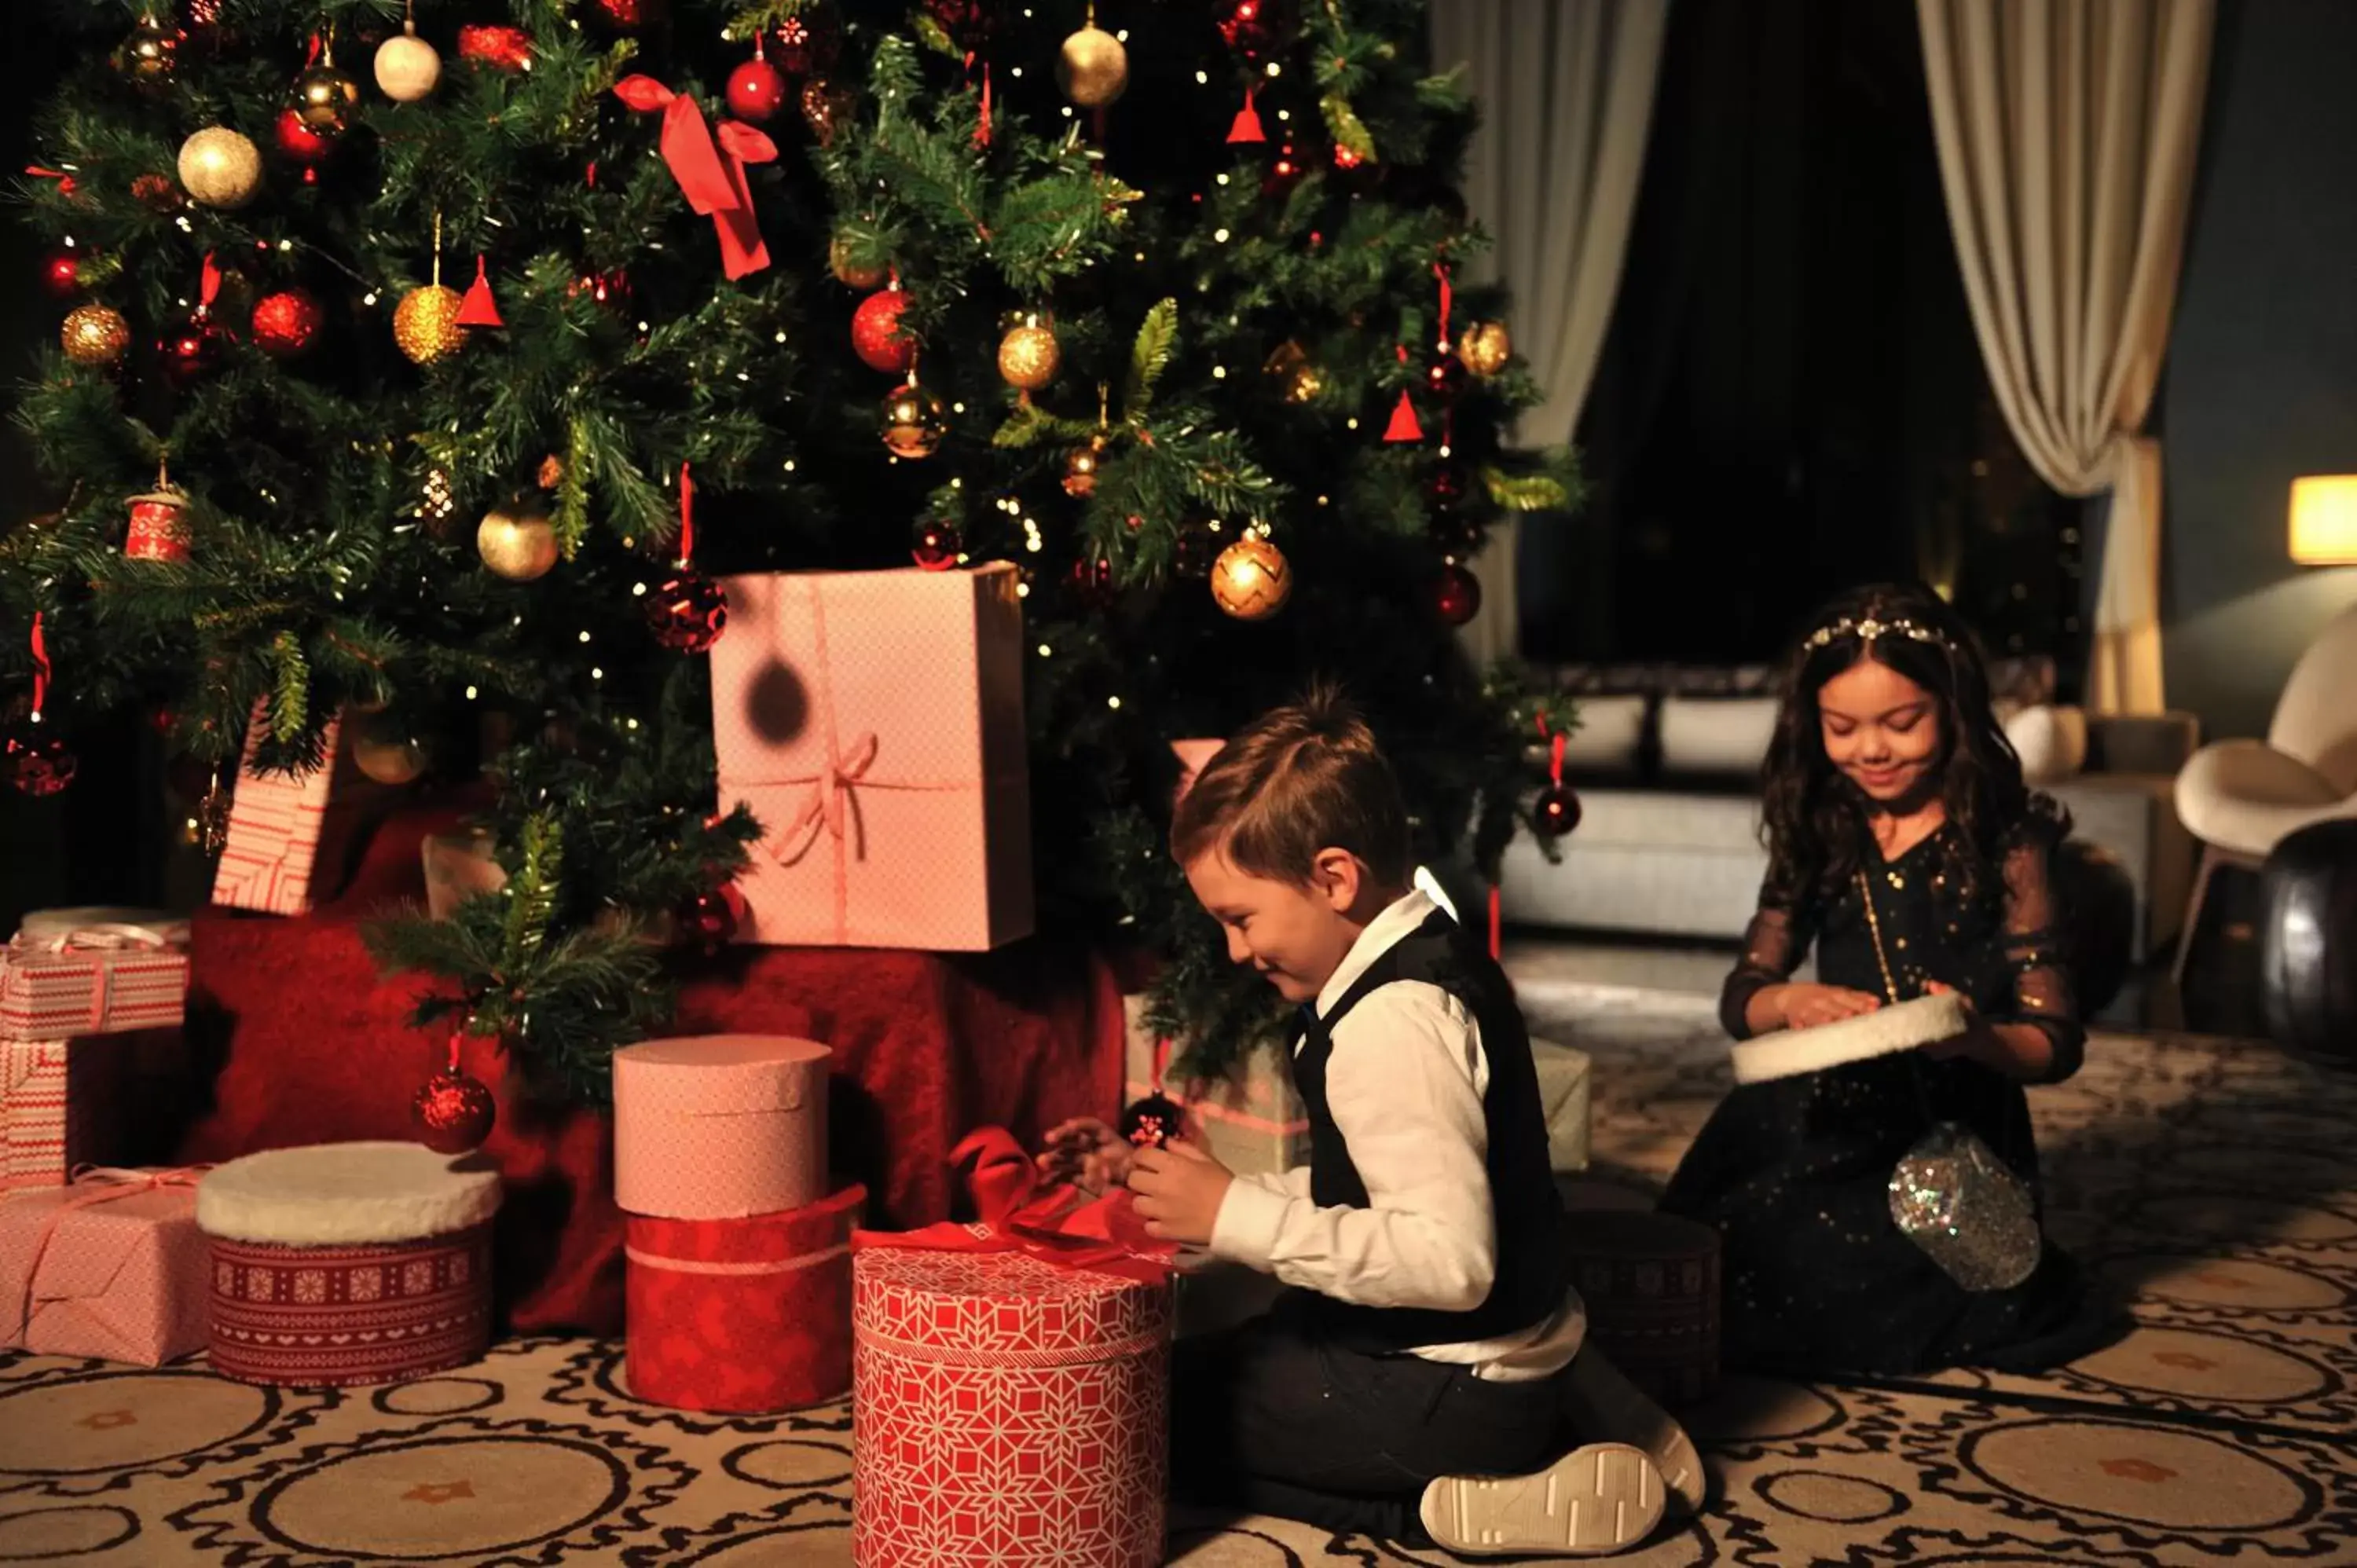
2210	1178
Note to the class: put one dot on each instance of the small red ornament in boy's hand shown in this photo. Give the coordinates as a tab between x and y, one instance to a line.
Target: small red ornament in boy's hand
1180	1189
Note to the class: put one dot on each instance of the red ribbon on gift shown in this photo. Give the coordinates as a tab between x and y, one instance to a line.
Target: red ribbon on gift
711	172
1059	1226
107	1184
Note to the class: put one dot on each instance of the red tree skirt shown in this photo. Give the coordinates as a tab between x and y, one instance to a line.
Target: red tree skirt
302	1044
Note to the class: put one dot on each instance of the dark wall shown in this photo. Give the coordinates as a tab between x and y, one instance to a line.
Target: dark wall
2261	383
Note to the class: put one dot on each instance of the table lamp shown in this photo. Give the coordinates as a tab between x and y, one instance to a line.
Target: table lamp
2324	520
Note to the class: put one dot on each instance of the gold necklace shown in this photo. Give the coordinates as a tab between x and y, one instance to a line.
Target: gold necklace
1874	926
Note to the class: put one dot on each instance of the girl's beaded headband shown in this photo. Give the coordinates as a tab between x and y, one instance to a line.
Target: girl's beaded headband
1869	627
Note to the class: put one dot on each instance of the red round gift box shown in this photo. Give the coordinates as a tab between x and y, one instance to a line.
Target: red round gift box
742	1316
1651	1284
332	1316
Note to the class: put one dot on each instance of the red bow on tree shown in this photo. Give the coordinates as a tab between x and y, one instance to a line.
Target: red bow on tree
711	172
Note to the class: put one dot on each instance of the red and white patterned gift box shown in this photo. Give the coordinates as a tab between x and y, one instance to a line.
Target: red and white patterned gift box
742	1316
53	1096
874	723
113	1266
1010	1389
345	1263
720	1126
99	980
290	837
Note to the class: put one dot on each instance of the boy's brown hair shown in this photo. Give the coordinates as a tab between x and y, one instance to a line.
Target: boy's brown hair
1298	779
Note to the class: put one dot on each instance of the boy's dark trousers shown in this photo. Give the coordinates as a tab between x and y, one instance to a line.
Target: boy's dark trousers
1270	1418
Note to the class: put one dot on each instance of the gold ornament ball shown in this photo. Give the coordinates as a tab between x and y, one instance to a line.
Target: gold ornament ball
324	94
1080	467
407	67
1485	346
1028	356
389	759
148	53
517	540
426	323
850	272
95	335
1298	381
1251	579
220	167
913	422
1094	68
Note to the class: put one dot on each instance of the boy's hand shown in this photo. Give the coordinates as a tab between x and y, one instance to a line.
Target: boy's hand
1180	1189
1088	1153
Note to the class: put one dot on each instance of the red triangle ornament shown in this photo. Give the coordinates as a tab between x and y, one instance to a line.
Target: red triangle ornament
1248	123
1404	426
479	308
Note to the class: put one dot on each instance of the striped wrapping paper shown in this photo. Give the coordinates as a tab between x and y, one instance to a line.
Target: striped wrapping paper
48	1108
95	982
276	825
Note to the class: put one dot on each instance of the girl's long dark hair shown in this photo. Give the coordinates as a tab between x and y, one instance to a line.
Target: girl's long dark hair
1814	820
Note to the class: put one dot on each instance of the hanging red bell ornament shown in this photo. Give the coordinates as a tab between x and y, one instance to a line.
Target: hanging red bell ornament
687	611
454	1112
756	90
706	920
288	323
938	543
1456	594
875	335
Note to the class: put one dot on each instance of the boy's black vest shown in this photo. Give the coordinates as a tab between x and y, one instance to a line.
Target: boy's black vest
1534	1273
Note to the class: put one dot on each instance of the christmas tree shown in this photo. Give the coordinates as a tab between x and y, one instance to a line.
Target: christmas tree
424	365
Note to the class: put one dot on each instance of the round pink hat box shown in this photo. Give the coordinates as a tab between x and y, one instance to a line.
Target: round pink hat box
344	1263
720	1126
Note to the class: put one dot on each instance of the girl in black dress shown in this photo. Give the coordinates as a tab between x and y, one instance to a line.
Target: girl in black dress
1904	845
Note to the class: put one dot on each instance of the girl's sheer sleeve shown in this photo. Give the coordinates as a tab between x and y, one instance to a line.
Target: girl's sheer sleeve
1773	946
2036	957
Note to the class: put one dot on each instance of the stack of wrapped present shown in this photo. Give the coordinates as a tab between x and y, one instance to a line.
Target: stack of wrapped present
1011	1380
739	1291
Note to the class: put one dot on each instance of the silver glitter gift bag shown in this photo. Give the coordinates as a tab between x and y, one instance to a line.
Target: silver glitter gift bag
1966	1209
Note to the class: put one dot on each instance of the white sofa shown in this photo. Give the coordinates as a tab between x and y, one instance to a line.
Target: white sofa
1668	841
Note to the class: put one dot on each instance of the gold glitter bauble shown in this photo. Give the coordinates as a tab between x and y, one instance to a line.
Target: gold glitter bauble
389	759
324	94
913	422
517	540
407	67
95	335
1485	346
849	272
1028	356
426	323
1251	579
1094	68
220	167
1296	379
1081	466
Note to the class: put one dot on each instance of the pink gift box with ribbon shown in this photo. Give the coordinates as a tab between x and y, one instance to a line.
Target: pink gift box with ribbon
874	723
92	980
110	1266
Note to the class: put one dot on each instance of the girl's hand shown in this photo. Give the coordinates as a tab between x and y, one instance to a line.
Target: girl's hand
1806	1007
1969	1043
1087	1154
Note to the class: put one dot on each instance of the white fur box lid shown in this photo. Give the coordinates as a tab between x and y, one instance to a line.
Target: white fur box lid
346	1194
1900	1026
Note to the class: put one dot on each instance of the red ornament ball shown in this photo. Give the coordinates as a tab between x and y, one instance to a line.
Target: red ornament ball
193	351
756	90
1557	810
687	611
938	544
156	192
501	49
1153	1121
454	1112
37	764
61	275
288	323
1457	594
299	143
875	335
707	922
627	15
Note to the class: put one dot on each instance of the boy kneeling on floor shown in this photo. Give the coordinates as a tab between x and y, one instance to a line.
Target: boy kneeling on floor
1424	1380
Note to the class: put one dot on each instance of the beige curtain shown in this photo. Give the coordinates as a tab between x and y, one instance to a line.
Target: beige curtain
1566	95
2067	132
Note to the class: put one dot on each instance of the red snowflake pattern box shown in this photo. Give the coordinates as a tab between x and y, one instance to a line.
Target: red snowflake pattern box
743	1316
874	723
1010	1386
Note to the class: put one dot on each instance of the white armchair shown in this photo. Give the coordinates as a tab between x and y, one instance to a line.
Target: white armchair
2241	798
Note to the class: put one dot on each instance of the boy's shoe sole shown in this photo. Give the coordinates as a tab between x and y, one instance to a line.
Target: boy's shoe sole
1603	1404
1602	1498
